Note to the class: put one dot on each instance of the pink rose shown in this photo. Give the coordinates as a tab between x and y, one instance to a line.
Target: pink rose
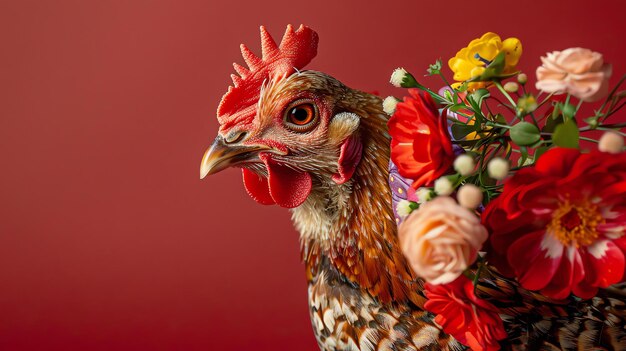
576	71
441	239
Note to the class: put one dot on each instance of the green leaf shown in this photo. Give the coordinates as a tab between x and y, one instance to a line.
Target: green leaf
497	65
479	95
540	151
463	87
458	106
478	114
569	110
494	70
524	134
485	179
551	124
524	156
460	131
472	102
500	119
556	110
566	134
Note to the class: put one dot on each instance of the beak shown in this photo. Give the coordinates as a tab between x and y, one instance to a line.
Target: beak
222	155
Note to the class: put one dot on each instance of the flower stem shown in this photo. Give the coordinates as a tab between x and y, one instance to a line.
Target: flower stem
502	103
608	98
445	80
434	95
501	88
588	139
617	125
494	124
544	101
532	116
580	102
604	127
615	110
613	130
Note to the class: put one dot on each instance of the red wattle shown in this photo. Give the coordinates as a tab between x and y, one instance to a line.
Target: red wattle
257	187
284	186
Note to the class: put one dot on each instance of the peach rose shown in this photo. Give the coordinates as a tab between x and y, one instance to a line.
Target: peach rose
441	239
577	71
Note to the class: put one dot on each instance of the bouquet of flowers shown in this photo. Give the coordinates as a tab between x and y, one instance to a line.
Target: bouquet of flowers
504	179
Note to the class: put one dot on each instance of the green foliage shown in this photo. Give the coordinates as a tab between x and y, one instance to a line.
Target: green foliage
522	160
566	134
524	134
551	124
569	111
460	130
494	70
503	123
540	151
463	87
480	95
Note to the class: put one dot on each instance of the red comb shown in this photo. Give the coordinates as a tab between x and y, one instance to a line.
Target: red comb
296	50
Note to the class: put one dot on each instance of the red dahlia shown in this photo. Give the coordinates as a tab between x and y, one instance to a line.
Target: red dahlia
559	226
420	143
472	321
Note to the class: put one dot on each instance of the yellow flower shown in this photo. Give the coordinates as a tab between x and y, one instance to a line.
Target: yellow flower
472	61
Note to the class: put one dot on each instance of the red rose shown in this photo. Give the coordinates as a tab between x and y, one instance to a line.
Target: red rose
559	226
472	321
420	143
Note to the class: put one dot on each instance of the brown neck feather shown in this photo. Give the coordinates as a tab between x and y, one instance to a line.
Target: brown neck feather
361	241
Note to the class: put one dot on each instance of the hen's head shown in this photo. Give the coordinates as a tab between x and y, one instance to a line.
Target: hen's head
288	130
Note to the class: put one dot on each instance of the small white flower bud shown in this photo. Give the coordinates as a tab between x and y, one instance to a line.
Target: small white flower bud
443	186
464	164
611	142
522	78
469	196
403	208
397	76
423	195
389	105
511	87
498	168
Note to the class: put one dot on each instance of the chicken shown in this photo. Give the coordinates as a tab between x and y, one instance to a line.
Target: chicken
306	142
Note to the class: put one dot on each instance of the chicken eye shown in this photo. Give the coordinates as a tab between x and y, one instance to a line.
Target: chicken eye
301	117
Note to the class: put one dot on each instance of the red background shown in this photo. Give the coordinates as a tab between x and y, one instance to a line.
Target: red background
108	239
